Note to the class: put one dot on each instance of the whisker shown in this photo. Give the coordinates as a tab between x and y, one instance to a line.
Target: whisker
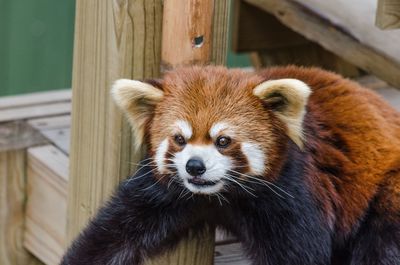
138	177
228	177
155	183
266	183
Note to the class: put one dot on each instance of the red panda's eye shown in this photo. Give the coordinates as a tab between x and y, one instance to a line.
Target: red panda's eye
223	141
179	139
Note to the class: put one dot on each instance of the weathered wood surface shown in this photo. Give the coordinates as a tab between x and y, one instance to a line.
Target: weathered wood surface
46	209
345	28
113	39
38	98
34	105
16	135
388	14
12	202
35	111
56	129
187	31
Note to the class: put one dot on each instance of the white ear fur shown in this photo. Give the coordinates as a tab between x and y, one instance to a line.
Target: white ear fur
294	95
137	100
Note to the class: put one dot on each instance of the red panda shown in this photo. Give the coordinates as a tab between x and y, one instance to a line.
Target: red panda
302	165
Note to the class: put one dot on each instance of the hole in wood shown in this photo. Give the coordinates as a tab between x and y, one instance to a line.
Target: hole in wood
198	41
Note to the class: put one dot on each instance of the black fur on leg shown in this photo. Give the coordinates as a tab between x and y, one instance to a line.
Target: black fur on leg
142	219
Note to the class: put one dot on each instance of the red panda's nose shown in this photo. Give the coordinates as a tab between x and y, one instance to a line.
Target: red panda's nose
195	166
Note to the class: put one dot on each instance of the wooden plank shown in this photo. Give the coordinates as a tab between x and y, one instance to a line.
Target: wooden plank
12	201
388	14
18	135
230	254
254	29
61	138
35	111
347	32
37	98
50	123
46	209
56	129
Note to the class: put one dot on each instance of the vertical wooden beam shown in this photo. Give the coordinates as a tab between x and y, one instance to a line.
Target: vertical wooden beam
388	14
115	39
12	204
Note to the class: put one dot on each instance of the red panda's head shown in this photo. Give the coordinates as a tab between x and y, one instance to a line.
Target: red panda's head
211	126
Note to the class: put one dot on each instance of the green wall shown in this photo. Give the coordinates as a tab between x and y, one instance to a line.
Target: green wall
36	39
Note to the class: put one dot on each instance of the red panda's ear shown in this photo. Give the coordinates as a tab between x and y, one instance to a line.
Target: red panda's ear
138	100
288	99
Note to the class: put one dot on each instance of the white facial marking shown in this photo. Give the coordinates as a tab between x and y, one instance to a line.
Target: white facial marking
255	156
160	155
184	128
217	128
216	164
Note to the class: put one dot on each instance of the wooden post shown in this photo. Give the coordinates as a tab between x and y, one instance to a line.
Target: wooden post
113	39
388	14
118	39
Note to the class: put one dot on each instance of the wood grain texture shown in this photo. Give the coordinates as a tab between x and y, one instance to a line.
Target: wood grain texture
12	203
388	14
220	29
113	39
347	32
187	31
46	210
56	129
16	135
35	111
37	98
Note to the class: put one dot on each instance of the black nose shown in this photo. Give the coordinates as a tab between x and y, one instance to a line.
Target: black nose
195	166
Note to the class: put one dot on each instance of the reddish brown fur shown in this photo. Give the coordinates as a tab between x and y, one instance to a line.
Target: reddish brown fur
354	144
352	139
206	95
